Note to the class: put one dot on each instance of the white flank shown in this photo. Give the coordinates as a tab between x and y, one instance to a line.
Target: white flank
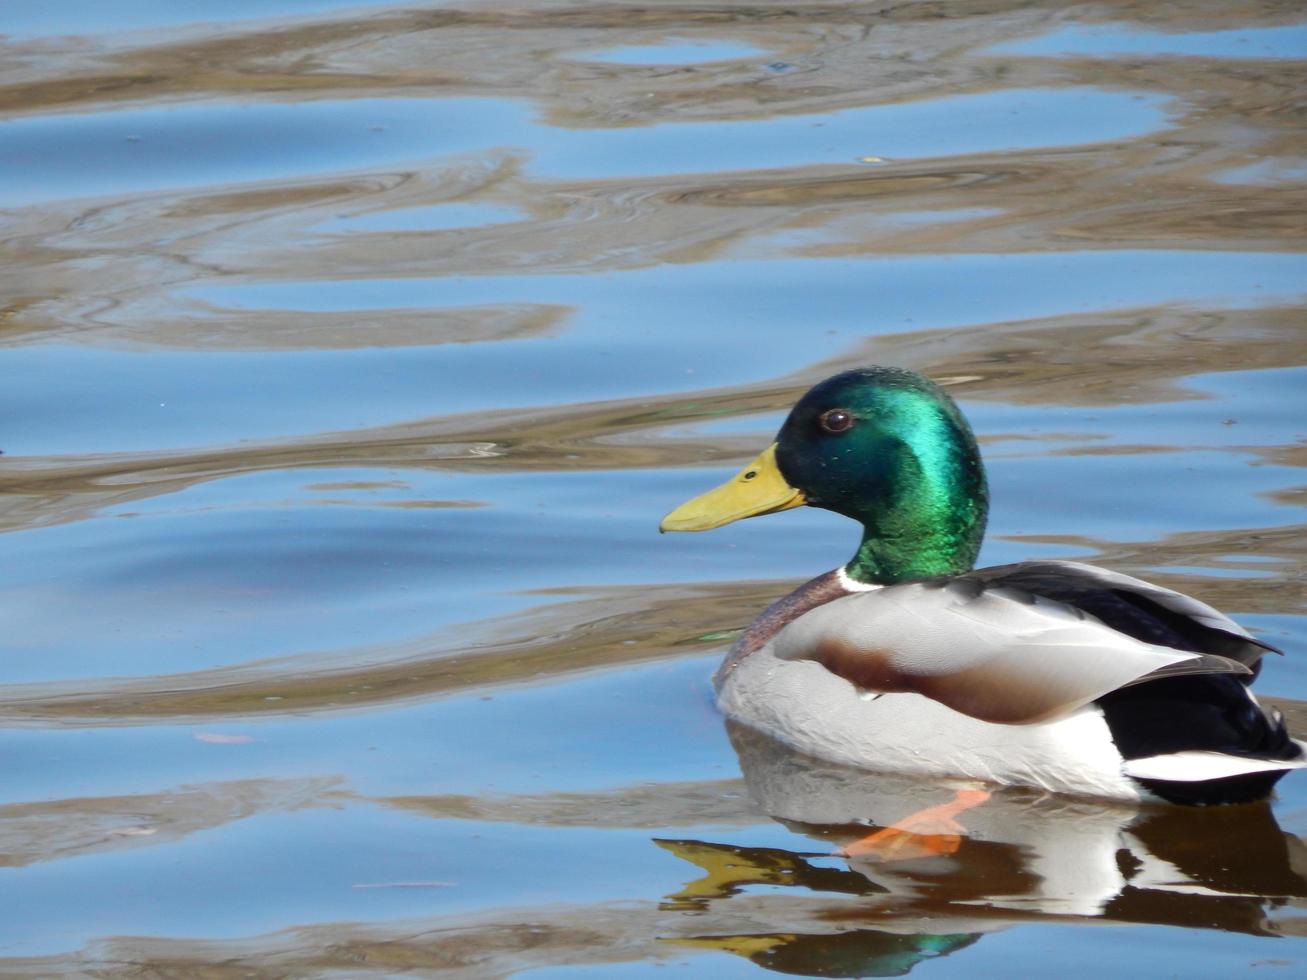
804	705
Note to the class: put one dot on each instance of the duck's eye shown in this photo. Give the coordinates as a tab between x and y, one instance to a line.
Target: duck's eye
836	420
751	474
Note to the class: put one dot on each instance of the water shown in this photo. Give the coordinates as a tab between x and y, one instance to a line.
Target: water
675	51
352	352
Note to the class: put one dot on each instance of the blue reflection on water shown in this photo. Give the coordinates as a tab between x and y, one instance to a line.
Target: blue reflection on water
676	51
1289	41
1011	119
872	293
82	154
36	18
659	720
1268	172
435	217
123	150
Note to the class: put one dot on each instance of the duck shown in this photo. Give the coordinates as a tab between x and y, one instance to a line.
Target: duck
907	659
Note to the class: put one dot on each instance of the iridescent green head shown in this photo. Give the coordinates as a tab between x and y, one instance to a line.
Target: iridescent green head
884	446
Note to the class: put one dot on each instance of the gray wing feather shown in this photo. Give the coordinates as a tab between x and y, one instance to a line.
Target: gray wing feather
987	653
1176	602
1206	629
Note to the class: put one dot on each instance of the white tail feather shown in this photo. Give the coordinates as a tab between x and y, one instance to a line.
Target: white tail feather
1197	766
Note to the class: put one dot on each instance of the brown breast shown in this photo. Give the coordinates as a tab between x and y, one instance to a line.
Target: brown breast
809	595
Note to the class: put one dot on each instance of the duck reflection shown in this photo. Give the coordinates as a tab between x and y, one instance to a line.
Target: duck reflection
931	887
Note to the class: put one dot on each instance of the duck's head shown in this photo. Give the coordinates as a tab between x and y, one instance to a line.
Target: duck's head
884	446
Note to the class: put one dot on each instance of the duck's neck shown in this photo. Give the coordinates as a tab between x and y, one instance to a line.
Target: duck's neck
934	530
885	561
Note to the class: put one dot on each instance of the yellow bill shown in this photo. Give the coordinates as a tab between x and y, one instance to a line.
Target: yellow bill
757	489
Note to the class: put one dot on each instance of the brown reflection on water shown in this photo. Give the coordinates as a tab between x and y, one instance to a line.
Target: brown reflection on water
1237	550
722	803
624	626
839	50
1033	362
58	829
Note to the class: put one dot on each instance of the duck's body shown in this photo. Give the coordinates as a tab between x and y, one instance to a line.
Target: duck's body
996	706
1051	674
819	713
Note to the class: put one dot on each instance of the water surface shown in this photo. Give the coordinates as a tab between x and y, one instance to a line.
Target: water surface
353	352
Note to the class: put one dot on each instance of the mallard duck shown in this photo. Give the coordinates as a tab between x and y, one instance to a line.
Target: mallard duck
1053	674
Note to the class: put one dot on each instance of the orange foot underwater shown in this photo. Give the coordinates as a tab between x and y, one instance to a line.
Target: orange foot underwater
932	832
